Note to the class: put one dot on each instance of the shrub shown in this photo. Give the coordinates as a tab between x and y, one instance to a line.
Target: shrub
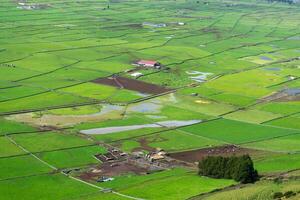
289	194
277	195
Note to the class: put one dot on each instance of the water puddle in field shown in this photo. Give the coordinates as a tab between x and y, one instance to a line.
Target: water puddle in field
155	117
294	38
292	91
265	58
148	107
272	69
46	119
165	124
198	76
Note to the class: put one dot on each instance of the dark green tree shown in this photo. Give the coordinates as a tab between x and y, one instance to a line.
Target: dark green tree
239	168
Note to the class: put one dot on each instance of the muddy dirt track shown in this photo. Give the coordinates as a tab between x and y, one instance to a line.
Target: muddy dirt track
132	84
199	154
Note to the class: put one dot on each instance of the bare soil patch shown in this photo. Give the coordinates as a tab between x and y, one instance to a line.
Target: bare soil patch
112	169
199	154
283	96
132	84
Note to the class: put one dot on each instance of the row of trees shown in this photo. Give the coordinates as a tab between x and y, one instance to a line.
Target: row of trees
239	168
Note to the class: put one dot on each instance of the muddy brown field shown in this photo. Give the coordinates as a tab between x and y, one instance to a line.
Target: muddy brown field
112	169
132	84
197	155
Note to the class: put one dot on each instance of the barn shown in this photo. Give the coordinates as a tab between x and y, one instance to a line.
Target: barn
148	63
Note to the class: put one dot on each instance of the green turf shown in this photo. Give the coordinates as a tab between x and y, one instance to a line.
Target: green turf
72	157
8	148
235	131
50	55
21	166
47	141
44	187
13	127
183	184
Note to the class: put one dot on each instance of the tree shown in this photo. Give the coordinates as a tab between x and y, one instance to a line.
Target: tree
239	168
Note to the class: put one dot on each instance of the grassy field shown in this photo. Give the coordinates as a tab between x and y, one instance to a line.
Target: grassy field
149	186
233	65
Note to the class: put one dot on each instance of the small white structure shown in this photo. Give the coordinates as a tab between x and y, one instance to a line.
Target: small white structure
136	74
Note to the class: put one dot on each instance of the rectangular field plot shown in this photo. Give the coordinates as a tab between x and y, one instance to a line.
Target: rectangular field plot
44	187
7	126
14	74
48	141
8	148
236	132
38	102
250	84
44	62
278	163
185	184
204	106
102	196
126	121
19	92
287	122
252	115
21	166
101	92
177	140
281	107
106	66
123	135
262	190
75	157
282	144
234	99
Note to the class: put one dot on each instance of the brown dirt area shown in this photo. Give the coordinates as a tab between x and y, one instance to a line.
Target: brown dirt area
280	97
132	84
112	169
196	155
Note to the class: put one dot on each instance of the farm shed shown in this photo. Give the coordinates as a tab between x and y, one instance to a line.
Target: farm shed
148	63
136	74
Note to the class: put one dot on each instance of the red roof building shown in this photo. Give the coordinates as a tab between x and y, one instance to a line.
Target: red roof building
148	63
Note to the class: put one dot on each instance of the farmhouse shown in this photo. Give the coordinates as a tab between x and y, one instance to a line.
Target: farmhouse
148	63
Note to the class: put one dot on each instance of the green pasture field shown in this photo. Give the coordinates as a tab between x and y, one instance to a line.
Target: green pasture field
80	110
8	148
75	157
278	163
102	196
288	122
37	102
183	184
19	166
263	190
284	108
8	127
44	187
252	115
177	140
236	132
281	144
126	121
49	141
50	54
